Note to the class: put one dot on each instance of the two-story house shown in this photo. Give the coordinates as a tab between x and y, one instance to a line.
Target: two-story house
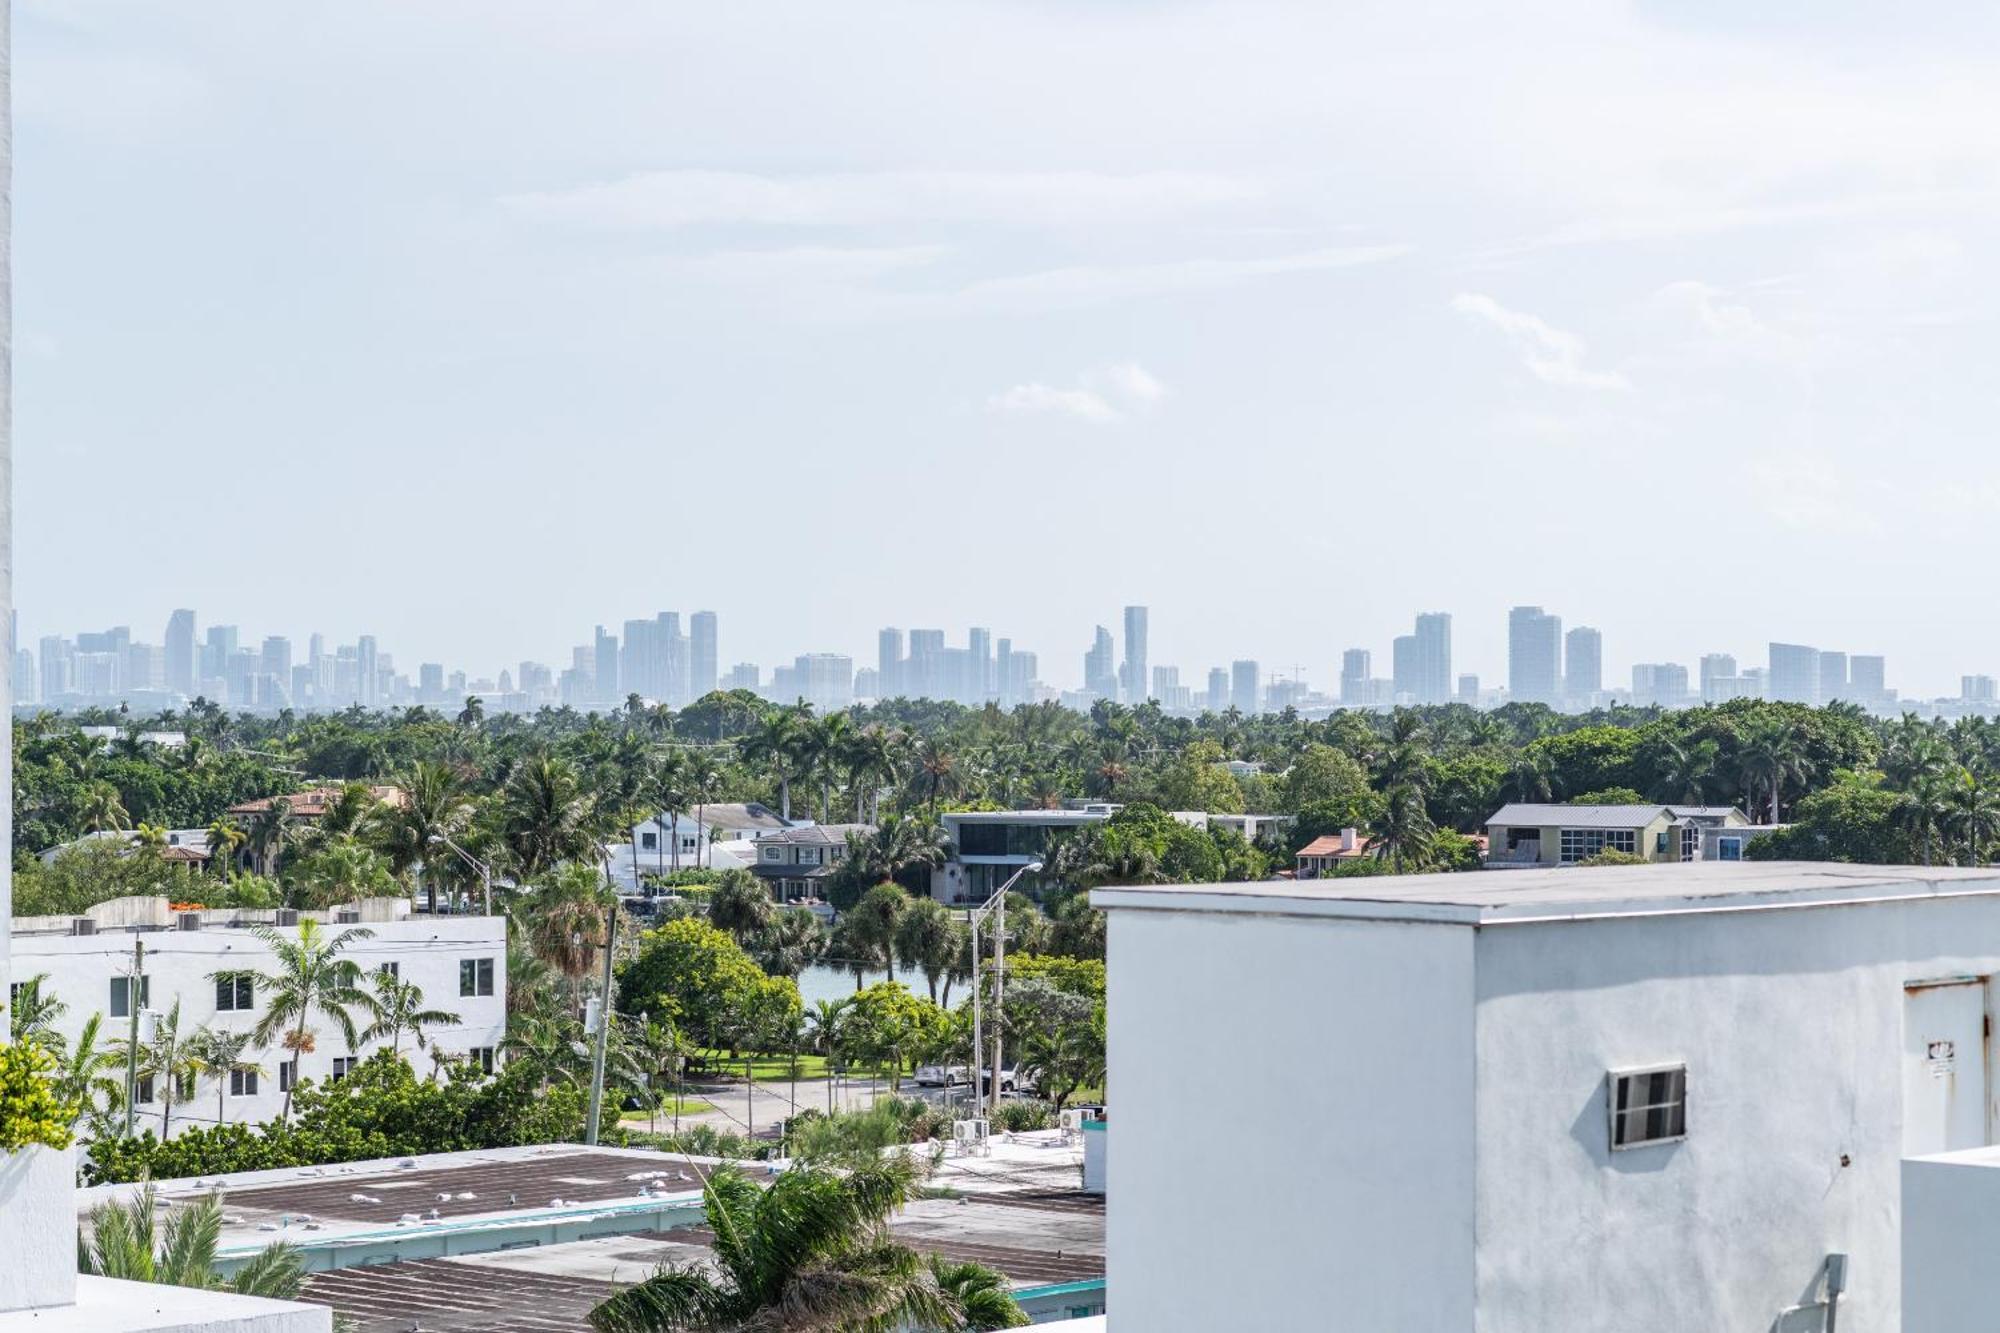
795	861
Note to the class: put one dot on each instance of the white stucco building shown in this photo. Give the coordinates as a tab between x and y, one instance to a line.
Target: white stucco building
1551	1101
460	962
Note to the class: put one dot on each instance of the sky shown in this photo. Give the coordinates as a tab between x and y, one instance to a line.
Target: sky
471	323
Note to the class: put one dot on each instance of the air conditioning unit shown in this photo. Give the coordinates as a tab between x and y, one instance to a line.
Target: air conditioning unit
288	916
347	916
82	925
1071	1122
190	920
971	1138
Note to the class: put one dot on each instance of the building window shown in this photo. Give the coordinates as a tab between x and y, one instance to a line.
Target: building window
288	1075
649	841
808	856
483	1057
343	1065
1690	843
391	970
121	995
143	1096
243	1083
235	992
1729	849
1580	844
475	976
1648	1105
773	854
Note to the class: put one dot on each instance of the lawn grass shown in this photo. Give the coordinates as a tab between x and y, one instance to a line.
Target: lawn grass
774	1068
687	1106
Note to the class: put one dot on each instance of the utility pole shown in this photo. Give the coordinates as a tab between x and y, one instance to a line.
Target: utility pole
999	990
749	1095
978	1049
603	1027
133	987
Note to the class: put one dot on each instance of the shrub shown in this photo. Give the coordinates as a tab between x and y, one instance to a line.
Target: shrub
1021	1117
30	1111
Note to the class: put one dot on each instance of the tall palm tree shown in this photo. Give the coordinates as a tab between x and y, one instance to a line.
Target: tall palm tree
1685	770
221	1053
1403	831
776	746
929	938
310	978
127	1243
89	1078
225	836
1975	816
435	807
271	832
874	921
170	1059
935	771
1925	811
1775	752
473	713
399	1008
810	1251
546	815
101	810
740	904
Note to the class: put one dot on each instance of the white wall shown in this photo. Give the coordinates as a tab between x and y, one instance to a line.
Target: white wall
1791	1024
1294	1112
179	964
1951	1235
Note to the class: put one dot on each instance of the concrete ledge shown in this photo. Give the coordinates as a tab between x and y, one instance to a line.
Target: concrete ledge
107	1306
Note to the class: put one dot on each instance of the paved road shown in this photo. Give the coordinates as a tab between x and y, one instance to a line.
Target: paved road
738	1113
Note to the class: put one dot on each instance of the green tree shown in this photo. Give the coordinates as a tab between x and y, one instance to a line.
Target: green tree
218	1053
697	976
810	1251
930	939
399	1008
740	904
546	815
875	919
792	942
128	1242
310	977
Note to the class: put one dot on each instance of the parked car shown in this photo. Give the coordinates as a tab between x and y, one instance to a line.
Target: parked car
941	1076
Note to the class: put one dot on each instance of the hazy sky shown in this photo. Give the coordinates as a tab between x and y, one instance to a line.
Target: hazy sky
471	324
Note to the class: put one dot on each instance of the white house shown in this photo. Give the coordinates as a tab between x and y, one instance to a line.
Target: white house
701	836
460	962
1552	1101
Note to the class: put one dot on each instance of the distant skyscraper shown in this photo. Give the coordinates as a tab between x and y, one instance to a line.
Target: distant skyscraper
1583	665
1243	692
181	659
1100	677
1534	656
1659	683
1832	677
1403	669
1976	689
368	687
1468	689
923	673
640	662
1356	666
1133	674
742	676
1431	664
1218	690
216	650
1717	668
1794	673
889	661
701	654
826	680
430	683
277	662
978	684
605	662
1867	680
1006	689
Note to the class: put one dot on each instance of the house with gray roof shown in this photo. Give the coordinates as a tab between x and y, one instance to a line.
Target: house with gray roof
1521	834
796	862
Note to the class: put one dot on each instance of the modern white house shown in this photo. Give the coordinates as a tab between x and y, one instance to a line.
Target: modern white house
1521	836
1552	1101
136	949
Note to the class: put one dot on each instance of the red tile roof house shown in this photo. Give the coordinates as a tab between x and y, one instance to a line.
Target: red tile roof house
1321	855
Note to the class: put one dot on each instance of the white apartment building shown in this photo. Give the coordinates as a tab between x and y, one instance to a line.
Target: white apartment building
204	960
1557	1101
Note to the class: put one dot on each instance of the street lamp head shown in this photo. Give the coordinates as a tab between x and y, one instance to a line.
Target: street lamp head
1033	867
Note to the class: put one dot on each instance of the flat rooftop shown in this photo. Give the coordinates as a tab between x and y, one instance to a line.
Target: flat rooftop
1563	893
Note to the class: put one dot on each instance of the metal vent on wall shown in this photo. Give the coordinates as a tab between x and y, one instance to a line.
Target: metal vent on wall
82	925
190	920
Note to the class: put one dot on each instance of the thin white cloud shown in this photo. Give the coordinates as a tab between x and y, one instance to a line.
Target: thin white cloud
1552	355
655	199
1102	396
1091	285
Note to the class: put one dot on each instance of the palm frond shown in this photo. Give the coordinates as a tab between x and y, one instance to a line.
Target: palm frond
276	1272
187	1252
677	1297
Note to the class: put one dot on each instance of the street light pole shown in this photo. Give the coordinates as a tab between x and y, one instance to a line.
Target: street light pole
485	870
603	1025
997	903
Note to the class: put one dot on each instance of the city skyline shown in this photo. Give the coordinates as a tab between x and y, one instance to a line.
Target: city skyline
675	657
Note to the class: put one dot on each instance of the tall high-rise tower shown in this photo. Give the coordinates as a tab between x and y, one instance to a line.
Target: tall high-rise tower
701	654
1583	665
1431	664
1132	676
1534	656
1100	677
180	652
889	662
1356	665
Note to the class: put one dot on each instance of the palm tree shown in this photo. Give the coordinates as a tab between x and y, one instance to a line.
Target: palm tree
310	978
171	1060
1925	811
1686	770
790	944
125	1244
1531	779
823	746
776	745
1775	753
434	808
874	921
930	938
852	948
221	1053
902	844
224	837
740	904
810	1251
1975	815
935	771
101	810
271	832
34	1013
546	815
984	1301
567	919
399	1008
1403	831
90	1079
